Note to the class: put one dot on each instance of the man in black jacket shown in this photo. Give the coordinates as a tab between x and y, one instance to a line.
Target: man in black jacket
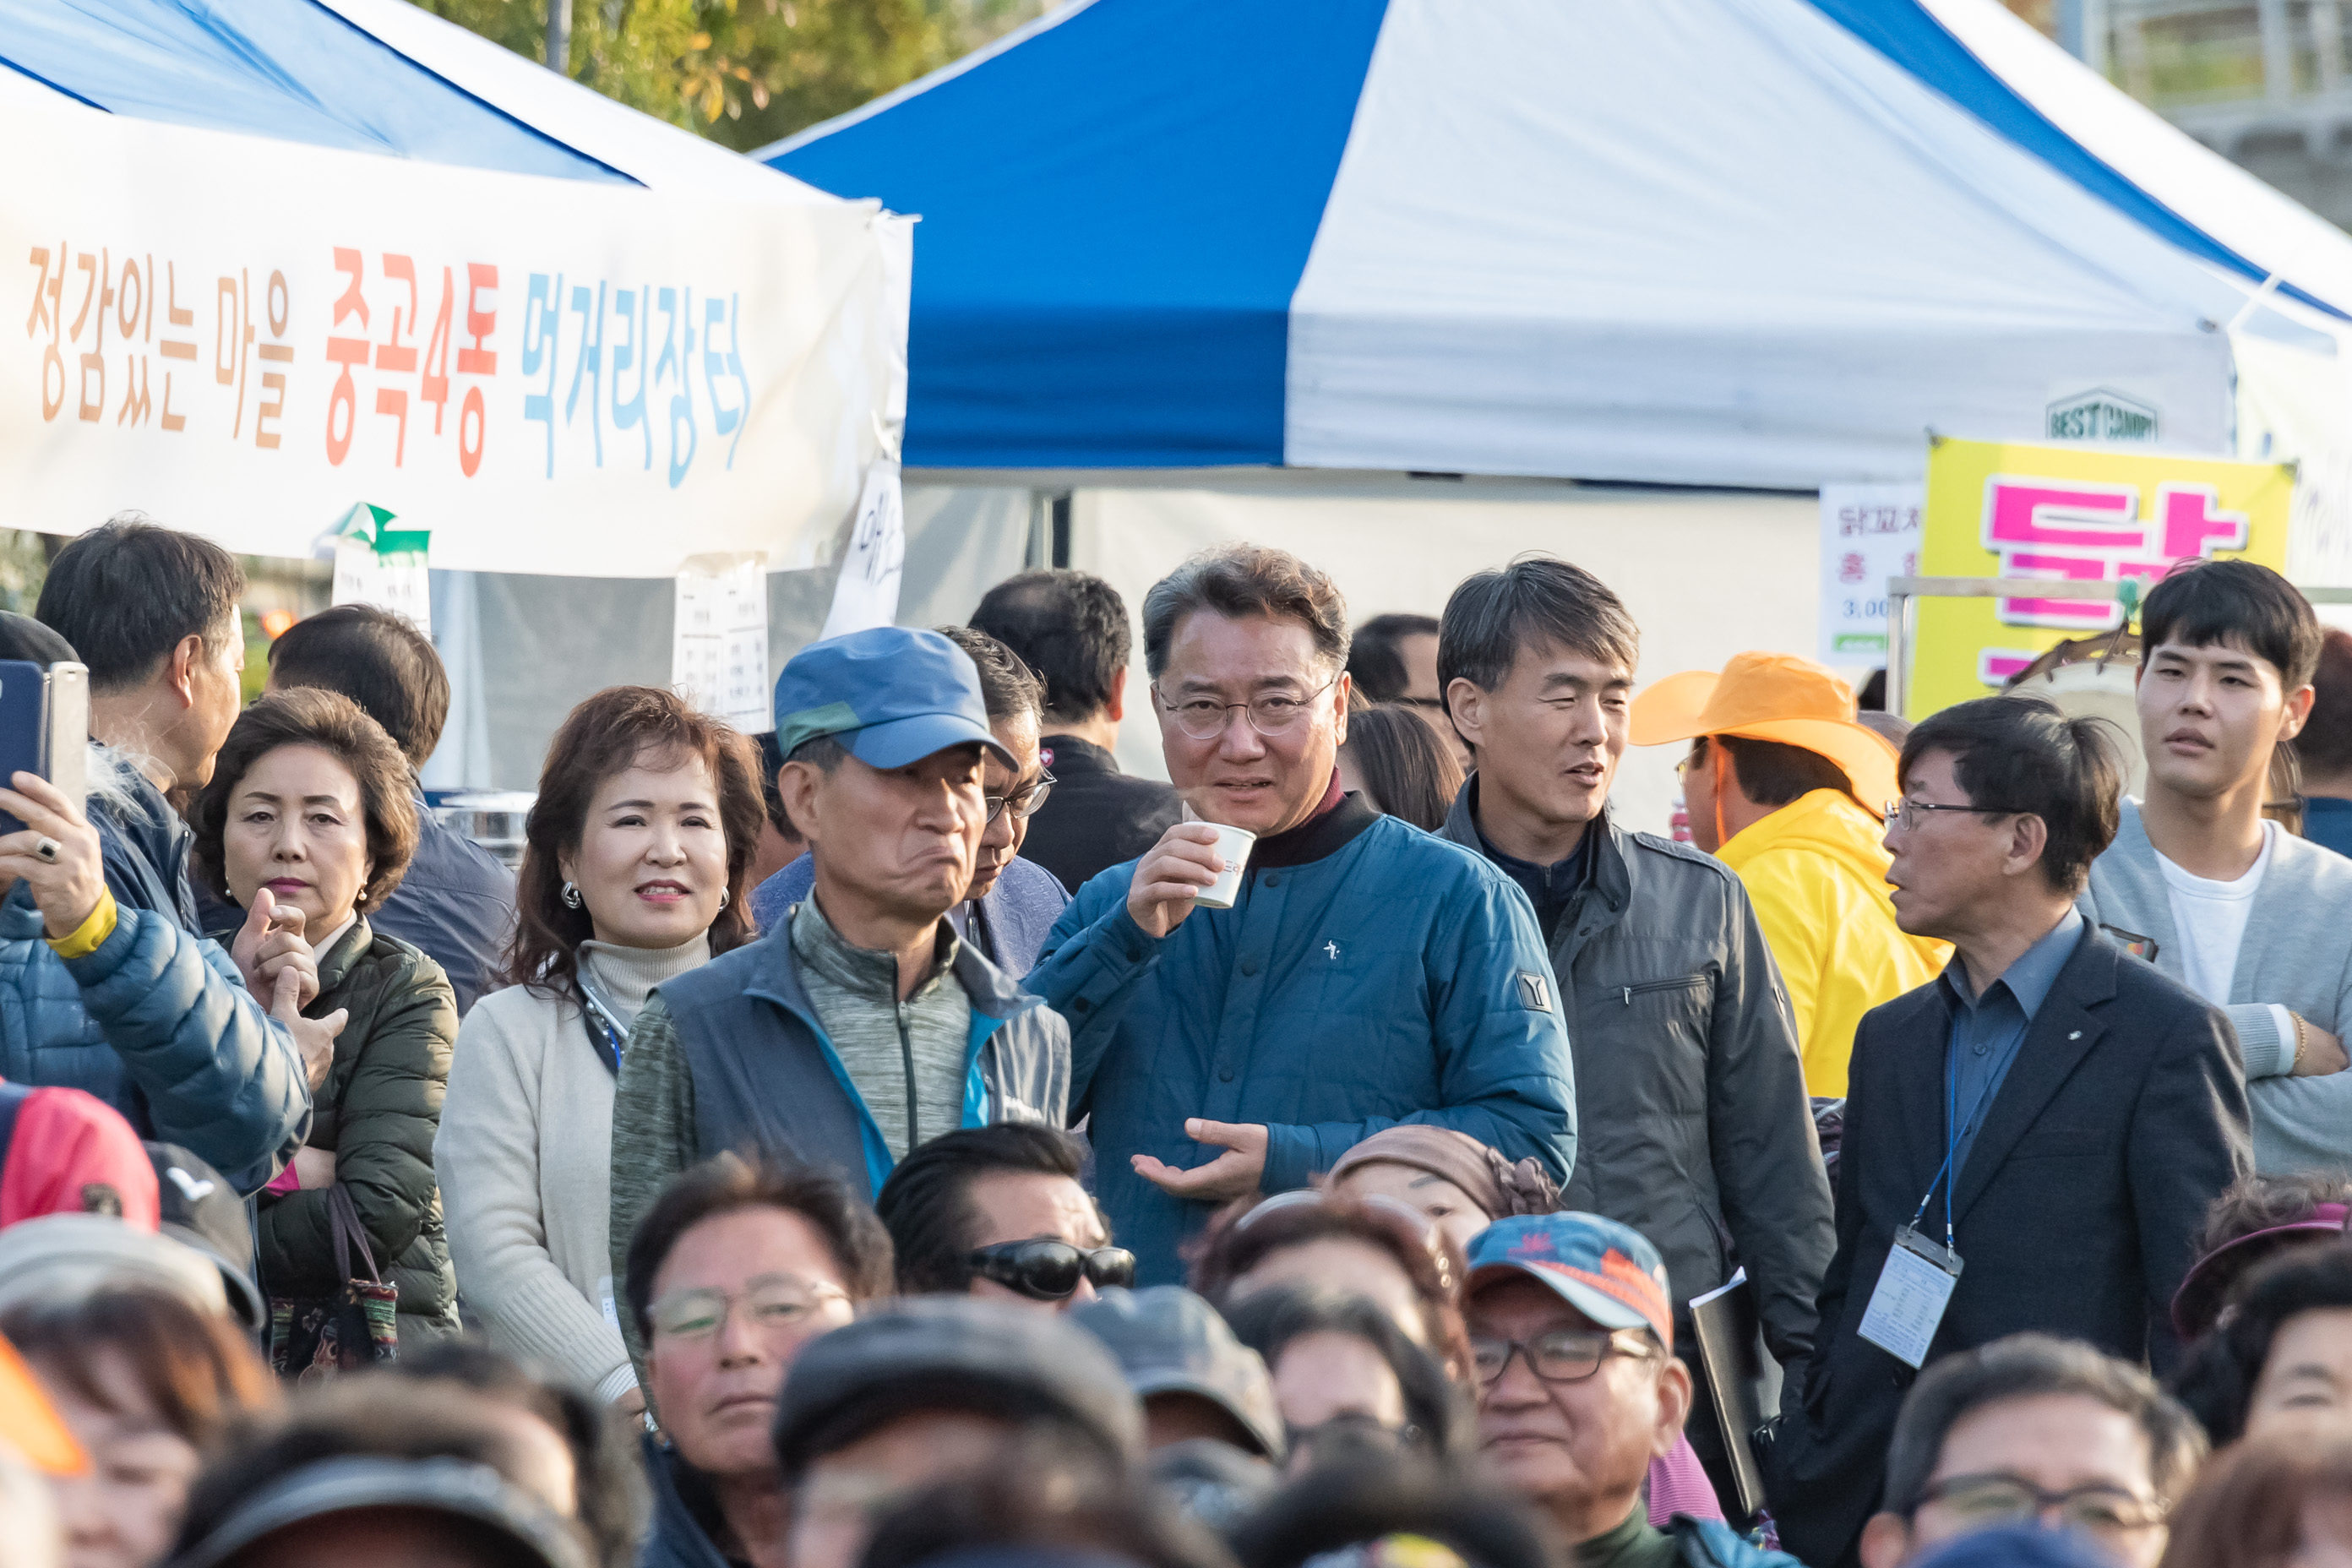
2052	1111
1072	630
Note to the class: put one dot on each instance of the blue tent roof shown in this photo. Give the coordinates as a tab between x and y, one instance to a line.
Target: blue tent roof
293	70
1120	202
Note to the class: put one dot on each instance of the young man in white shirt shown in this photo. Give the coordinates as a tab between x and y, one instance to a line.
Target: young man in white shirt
2254	919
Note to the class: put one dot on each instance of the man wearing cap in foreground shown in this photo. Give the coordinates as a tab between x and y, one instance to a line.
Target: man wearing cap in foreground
859	1025
1784	786
924	1391
1572	1337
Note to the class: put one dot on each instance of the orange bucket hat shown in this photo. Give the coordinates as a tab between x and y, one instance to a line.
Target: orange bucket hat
1771	697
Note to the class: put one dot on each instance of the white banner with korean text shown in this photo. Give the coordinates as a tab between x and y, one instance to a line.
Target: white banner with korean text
245	337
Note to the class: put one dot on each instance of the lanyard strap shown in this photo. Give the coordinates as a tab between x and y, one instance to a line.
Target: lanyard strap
1952	1125
604	1031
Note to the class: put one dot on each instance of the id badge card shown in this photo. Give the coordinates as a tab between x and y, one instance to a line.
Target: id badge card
1913	1291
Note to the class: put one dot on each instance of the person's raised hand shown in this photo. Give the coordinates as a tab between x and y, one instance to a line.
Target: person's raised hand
66	883
1235	1173
314	1038
271	942
1171	876
2322	1053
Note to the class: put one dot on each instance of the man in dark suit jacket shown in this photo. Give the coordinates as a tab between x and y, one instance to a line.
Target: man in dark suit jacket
2096	1108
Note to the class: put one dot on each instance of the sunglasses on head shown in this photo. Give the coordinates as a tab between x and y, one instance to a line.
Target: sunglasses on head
1044	1270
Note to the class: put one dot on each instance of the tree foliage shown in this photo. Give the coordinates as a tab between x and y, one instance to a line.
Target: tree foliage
746	72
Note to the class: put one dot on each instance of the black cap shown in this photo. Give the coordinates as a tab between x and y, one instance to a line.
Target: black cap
535	1536
1170	1341
952	1352
198	1207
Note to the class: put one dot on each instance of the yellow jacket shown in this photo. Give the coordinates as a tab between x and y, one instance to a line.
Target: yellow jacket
1816	872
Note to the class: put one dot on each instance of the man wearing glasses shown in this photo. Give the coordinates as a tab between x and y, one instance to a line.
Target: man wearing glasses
2032	1139
1365	975
2032	1430
1010	904
1572	1337
862	1023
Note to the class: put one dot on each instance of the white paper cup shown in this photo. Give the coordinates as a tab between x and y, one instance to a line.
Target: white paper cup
1232	853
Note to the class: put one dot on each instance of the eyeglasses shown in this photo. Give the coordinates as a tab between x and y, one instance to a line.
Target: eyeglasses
1025	801
776	1302
1997	1499
1044	1270
1203	719
1563	1355
1905	813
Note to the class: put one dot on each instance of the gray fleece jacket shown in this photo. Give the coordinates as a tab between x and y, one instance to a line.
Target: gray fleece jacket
2297	953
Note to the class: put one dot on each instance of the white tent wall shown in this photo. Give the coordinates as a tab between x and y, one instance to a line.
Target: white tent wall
1705	573
523	651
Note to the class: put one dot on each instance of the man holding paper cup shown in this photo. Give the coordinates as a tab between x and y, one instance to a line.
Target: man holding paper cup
1287	972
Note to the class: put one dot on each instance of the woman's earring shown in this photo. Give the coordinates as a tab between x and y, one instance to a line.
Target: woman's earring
570	895
723	898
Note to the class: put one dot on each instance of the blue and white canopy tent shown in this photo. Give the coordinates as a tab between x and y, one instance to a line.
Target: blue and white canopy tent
268	144
1260	253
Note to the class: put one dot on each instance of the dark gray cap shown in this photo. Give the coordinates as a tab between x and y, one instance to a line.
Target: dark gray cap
1168	1340
456	1487
952	1352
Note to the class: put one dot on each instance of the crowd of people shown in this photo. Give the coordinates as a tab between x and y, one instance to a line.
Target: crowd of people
908	1138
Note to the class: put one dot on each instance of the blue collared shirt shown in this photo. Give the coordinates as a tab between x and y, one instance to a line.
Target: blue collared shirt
1987	1030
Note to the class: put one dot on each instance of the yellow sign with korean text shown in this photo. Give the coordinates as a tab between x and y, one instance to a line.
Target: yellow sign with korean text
2071	514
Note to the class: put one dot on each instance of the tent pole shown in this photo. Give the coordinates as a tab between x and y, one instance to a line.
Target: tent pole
559	36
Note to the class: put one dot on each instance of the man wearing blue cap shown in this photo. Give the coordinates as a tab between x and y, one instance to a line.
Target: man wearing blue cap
859	1025
1572	1337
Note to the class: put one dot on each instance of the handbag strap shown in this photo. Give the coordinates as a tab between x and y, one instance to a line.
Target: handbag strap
343	1216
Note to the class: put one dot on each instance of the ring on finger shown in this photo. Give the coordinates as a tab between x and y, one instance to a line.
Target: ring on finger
47	849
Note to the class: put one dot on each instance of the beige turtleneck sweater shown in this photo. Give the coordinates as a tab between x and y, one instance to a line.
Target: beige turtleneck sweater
523	1158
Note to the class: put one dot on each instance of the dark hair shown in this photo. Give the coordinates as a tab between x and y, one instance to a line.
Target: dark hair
2024	1366
1495	616
1773	772
2201	602
378	1415
1243	581
1375	659
727	1183
605	736
2326	743
307	716
1070	627
2217	1379
1007	686
2250	1506
23	638
1043	1497
199	1373
1436	1416
772	757
602	1464
128	592
1373	1496
2020	753
927	1205
1238	1239
378	659
1410	773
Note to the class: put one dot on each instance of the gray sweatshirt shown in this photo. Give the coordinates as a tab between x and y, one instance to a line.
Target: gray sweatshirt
892	1050
2297	953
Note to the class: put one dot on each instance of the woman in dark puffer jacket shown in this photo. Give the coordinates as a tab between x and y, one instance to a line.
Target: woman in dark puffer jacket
308	820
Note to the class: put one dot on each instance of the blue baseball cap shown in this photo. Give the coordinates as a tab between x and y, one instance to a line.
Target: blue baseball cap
1607	1271
892	694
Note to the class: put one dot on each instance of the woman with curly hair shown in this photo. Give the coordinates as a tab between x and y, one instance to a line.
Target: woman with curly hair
309	818
638	870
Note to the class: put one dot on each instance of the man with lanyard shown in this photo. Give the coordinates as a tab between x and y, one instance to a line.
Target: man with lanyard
2032	1139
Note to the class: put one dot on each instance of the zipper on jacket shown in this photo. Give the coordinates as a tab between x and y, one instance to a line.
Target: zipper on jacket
907	1057
1648	986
